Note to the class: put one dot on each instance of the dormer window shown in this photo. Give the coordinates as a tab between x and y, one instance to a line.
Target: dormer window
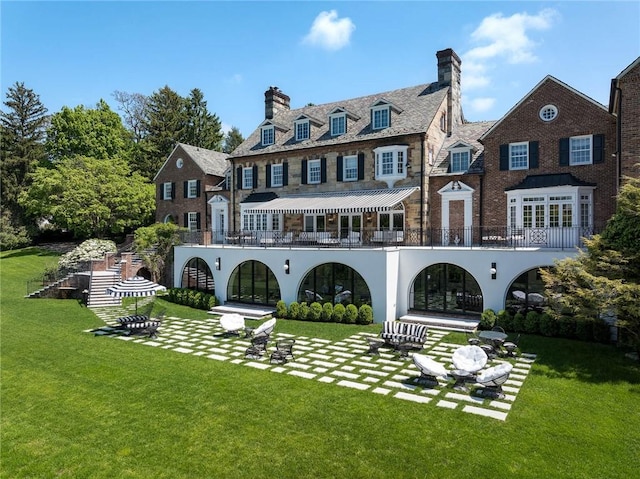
268	135
380	117
338	124
302	130
459	159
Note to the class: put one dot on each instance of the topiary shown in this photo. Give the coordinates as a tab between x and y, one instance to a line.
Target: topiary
338	313
531	322
303	314
365	314
487	319
504	319
315	311
213	302
281	309
518	323
350	314
327	312
567	326
294	310
548	325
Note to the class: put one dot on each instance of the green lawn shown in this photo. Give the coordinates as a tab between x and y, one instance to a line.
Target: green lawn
77	405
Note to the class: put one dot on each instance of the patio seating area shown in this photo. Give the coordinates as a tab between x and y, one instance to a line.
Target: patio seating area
345	363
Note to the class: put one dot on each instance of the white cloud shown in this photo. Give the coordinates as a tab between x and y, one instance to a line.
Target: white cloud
330	32
236	78
480	105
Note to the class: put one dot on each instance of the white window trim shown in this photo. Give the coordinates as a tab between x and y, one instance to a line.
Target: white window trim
376	109
247	174
315	223
344	167
313	164
298	125
166	190
548	112
571	160
272	135
466	150
337	116
511	145
274	167
192	217
192	184
399	172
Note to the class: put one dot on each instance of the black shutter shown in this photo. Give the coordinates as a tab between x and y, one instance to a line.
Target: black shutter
198	185
268	174
533	154
323	170
173	191
303	178
185	188
239	178
564	152
186	220
285	174
504	157
255	176
339	168
198	221
361	166
161	191
598	148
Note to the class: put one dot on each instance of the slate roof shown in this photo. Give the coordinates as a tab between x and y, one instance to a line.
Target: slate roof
467	133
412	111
549	180
211	162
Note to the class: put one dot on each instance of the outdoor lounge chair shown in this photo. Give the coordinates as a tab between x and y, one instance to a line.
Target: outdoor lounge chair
492	379
467	361
232	323
429	369
265	329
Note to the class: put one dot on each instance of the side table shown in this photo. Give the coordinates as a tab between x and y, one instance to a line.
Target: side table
374	345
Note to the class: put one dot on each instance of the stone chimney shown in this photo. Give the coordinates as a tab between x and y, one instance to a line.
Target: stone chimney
449	76
274	102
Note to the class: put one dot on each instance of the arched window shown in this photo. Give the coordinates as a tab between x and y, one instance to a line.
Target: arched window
253	282
448	288
197	275
334	283
526	292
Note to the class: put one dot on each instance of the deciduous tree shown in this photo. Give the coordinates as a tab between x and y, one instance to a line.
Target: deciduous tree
154	244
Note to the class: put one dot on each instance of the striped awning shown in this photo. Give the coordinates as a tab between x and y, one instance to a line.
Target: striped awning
135	287
336	202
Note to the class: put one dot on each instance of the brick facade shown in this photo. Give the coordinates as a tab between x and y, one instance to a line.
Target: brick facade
629	85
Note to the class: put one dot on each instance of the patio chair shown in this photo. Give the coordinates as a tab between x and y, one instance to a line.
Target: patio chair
265	329
284	351
232	323
492	379
511	346
429	369
467	361
258	347
472	338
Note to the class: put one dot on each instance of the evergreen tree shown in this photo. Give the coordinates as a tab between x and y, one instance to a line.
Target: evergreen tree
203	128
233	139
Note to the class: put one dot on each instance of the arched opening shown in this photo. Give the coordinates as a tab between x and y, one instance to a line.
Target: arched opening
197	275
253	282
169	219
526	292
334	283
446	288
144	273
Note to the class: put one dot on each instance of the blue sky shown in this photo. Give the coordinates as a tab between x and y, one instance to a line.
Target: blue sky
78	52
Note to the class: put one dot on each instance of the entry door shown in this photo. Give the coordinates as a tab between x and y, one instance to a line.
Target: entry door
350	222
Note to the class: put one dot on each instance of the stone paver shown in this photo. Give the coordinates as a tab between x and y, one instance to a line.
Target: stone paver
344	363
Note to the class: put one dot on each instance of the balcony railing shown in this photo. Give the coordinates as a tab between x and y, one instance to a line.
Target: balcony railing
471	237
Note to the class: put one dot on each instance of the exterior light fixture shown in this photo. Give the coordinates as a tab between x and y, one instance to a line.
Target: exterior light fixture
286	266
493	270
217	264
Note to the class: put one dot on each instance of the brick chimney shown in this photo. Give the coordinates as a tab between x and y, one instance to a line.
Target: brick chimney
274	102
449	76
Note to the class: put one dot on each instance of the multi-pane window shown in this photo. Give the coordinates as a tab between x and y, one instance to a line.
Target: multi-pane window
380	118
391	221
193	221
338	124
277	175
260	222
580	150
167	191
268	135
391	162
387	163
302	130
247	178
350	166
314	223
192	188
585	211
313	173
459	161
519	156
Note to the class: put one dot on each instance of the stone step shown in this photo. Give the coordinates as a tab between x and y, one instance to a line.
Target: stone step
247	311
447	323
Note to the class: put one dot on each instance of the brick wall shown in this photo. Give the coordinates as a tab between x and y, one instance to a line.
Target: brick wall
630	128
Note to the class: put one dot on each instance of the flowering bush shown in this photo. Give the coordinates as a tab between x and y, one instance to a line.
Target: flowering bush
86	251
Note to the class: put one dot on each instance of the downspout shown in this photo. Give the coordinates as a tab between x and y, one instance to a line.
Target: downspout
619	135
481	207
422	183
232	189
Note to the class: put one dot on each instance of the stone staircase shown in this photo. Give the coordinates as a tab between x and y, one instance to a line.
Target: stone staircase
100	281
45	290
447	323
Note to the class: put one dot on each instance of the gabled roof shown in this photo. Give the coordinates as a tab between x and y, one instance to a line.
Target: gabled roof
413	110
524	99
548	181
613	94
209	161
468	134
631	66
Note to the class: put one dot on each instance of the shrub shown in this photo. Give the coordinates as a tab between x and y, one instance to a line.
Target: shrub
315	311
567	326
213	302
294	310
504	320
518	323
531	322
601	331
327	312
584	329
338	312
85	252
548	326
365	314
487	319
350	314
281	309
303	314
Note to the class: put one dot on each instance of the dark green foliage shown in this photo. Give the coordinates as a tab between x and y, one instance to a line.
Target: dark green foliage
531	322
566	326
294	310
327	312
365	314
548	325
12	236
303	314
315	312
518	322
504	320
338	313
281	309
213	302
601	331
191	298
351	314
584	329
487	319
232	140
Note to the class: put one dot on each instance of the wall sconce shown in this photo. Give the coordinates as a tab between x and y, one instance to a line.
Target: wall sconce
217	264
493	271
455	186
287	270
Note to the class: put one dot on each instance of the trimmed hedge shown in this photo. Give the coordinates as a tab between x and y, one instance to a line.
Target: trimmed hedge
327	312
192	298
